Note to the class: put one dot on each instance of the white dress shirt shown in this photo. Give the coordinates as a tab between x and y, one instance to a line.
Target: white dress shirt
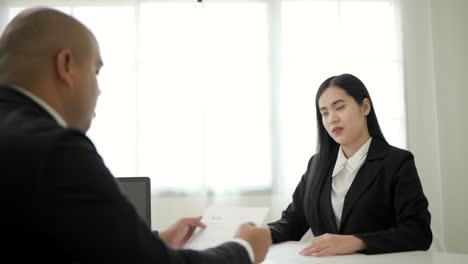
343	176
247	247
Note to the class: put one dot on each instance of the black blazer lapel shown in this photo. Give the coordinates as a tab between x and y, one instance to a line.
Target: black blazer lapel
364	177
327	210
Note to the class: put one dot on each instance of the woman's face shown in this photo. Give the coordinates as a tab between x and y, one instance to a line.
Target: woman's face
343	118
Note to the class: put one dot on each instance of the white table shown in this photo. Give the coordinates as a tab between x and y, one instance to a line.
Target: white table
288	253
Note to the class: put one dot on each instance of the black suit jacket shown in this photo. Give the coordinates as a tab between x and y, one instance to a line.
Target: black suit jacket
61	204
385	205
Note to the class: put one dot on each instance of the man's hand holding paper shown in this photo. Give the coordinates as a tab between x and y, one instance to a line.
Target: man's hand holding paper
223	223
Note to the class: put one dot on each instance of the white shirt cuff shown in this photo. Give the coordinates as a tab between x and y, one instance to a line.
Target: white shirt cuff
247	247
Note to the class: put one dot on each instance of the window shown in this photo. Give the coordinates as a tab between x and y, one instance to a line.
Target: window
191	98
203	103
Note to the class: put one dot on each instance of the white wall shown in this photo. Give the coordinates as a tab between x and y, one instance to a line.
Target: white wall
422	124
3	16
435	43
450	42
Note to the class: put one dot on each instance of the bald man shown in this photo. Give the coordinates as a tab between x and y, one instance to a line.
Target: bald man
59	201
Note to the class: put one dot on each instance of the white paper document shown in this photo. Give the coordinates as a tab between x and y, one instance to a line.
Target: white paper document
222	223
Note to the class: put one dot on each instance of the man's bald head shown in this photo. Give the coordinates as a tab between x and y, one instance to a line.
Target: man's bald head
32	40
56	58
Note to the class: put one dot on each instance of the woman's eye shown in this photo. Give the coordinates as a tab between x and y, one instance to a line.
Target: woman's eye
324	114
340	107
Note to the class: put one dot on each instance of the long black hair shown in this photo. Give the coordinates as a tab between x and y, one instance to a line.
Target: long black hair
326	146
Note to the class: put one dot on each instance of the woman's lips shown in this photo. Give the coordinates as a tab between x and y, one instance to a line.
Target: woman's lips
337	130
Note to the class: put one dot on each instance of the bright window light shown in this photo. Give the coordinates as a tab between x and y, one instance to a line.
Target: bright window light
187	94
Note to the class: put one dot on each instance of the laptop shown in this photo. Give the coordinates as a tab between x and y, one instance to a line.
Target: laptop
138	191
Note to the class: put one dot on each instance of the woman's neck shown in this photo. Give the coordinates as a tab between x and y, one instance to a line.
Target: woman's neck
350	149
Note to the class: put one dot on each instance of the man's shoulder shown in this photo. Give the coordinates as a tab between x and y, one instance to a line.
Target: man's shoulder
36	135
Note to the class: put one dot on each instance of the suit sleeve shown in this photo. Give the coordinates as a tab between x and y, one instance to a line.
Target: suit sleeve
293	224
93	222
413	230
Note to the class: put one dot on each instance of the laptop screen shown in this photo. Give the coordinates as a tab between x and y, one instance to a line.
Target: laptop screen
138	191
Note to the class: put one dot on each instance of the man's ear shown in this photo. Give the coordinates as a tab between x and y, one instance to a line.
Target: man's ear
64	63
366	106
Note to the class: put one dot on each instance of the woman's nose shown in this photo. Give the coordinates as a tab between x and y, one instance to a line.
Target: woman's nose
333	118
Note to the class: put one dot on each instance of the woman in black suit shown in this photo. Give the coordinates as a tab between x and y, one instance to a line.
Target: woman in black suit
358	194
